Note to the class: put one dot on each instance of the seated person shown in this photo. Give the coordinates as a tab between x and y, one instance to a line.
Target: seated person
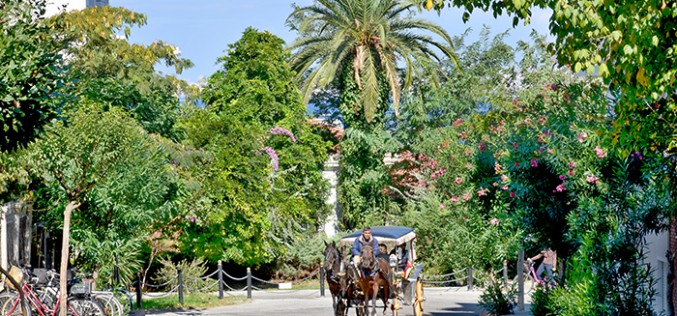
383	252
402	264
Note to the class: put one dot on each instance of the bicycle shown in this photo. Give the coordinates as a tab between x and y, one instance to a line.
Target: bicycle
537	279
77	304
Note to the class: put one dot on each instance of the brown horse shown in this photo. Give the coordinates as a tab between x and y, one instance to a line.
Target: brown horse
375	275
332	267
350	287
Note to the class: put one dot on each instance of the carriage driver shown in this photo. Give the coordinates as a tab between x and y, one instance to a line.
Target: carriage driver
366	237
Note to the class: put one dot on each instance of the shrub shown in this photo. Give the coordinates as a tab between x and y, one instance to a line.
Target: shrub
541	302
496	300
192	272
302	256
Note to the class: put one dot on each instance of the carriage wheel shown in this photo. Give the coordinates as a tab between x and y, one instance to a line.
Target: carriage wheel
418	299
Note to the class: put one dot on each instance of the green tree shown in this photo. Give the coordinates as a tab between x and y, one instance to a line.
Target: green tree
31	71
260	185
98	150
630	44
448	167
368	38
355	47
107	68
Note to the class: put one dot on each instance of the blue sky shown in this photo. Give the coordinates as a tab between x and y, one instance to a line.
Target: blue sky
202	29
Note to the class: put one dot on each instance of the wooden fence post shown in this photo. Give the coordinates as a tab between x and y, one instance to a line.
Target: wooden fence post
249	283
321	281
139	294
470	287
180	276
219	272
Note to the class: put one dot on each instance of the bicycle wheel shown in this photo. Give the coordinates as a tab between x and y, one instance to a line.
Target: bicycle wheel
84	307
110	303
10	305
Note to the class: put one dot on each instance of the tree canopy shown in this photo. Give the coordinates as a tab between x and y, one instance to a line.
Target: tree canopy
107	68
369	38
631	44
260	181
31	72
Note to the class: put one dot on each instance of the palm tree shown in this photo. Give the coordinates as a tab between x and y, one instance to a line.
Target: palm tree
371	37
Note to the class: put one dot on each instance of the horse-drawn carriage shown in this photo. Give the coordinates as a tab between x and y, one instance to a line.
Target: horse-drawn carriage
354	286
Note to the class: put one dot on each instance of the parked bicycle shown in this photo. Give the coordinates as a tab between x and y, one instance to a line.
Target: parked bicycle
44	300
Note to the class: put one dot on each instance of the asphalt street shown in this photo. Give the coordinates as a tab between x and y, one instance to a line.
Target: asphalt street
438	302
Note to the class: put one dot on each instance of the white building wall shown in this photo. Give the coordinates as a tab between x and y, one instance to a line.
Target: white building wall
54	7
657	249
330	173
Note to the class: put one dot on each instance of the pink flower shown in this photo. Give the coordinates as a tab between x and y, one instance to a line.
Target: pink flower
562	177
527	120
454	199
571	172
498	167
272	154
191	219
512	194
592	179
517	164
571	164
441	205
560	188
468	166
466	197
458	180
482	146
582	136
482	191
542	120
515	145
282	131
494	221
457	122
601	154
637	155
505	188
504	178
534	162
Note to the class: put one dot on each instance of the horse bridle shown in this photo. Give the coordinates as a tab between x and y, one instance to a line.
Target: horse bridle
333	255
373	268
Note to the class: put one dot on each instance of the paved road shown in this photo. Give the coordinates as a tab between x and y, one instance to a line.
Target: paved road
439	302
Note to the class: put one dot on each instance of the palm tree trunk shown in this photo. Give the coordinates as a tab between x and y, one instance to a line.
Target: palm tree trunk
63	296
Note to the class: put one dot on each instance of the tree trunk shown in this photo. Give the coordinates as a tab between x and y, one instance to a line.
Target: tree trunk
63	271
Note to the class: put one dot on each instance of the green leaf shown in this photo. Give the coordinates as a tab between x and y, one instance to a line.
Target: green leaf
616	35
603	70
578	67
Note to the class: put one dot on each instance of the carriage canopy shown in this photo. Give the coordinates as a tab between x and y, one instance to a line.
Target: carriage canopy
391	236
